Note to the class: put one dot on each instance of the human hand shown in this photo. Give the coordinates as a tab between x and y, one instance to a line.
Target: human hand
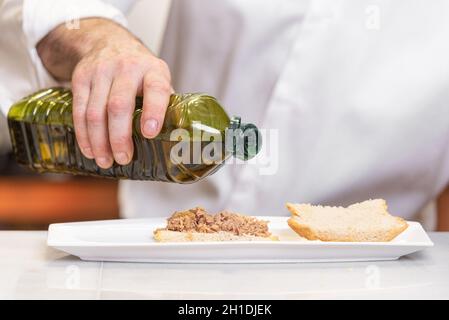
109	68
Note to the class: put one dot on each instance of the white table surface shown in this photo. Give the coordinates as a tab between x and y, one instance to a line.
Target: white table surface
31	270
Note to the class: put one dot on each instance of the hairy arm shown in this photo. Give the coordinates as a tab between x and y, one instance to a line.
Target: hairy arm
62	49
108	67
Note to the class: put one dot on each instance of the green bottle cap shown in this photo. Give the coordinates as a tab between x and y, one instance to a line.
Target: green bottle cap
245	139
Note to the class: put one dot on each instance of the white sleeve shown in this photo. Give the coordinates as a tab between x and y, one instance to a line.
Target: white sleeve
42	16
23	23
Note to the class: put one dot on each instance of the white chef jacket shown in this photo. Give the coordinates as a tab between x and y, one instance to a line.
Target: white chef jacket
354	96
22	24
358	92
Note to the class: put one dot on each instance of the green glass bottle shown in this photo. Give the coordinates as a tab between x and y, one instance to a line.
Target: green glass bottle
43	138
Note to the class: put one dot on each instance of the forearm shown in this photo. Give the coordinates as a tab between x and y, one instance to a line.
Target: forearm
63	48
443	211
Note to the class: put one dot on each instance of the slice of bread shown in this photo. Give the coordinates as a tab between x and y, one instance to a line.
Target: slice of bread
164	235
368	221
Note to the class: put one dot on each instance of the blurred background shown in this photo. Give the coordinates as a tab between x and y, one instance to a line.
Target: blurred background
33	201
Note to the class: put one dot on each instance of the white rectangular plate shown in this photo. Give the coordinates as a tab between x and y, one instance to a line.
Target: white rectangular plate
132	240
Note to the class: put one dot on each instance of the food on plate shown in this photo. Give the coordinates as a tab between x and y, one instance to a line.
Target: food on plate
368	221
198	225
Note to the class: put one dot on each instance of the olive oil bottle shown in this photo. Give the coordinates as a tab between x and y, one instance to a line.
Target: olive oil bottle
43	138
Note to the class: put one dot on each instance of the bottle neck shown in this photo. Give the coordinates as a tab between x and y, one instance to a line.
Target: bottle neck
244	139
235	123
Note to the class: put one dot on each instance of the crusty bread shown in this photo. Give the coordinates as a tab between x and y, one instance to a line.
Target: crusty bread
368	221
163	235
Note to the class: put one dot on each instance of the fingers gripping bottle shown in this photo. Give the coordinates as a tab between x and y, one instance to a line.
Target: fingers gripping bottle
196	138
